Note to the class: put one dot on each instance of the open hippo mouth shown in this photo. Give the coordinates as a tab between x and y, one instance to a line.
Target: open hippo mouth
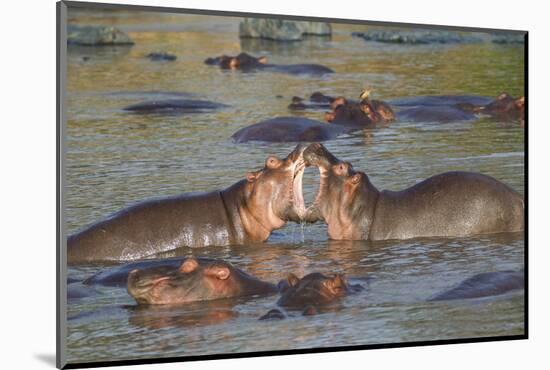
297	187
316	155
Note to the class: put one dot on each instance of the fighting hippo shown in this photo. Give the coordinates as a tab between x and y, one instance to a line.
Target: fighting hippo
484	285
287	129
245	212
174	106
247	63
447	205
311	293
194	280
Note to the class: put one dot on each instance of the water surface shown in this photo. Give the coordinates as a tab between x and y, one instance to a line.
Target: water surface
115	158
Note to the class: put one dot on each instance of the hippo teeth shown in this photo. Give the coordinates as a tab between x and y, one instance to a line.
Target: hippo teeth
297	189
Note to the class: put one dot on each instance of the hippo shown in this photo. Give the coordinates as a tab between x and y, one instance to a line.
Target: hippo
246	212
194	280
117	276
448	108
451	204
248	63
365	112
174	106
287	129
158	56
484	285
504	107
317	101
311	293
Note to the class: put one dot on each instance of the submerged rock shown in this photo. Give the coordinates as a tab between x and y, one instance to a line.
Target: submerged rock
416	37
281	30
508	38
96	36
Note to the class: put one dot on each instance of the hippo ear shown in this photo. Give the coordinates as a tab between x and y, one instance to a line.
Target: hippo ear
355	179
262	59
292	279
502	96
189	265
221	272
520	102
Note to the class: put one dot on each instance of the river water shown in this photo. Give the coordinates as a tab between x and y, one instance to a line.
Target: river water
115	159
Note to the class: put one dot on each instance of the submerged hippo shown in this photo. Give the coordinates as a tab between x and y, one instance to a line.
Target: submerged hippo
245	212
287	129
174	106
194	280
448	108
506	108
449	204
485	285
310	293
365	112
246	62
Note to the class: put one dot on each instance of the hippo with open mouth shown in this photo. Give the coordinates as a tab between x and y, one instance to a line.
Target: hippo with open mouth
451	204
247	63
194	280
245	212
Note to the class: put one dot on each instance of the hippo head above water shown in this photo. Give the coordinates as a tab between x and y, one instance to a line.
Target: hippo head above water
195	280
342	194
365	112
273	194
314	289
506	107
241	61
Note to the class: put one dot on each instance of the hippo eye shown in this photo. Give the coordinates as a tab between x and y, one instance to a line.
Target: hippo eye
341	169
272	162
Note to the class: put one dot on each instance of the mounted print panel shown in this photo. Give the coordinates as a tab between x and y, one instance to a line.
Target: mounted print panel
242	185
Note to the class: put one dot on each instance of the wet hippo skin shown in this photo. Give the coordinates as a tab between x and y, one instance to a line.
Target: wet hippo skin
446	205
174	106
194	280
287	129
484	285
310	293
437	108
247	63
245	212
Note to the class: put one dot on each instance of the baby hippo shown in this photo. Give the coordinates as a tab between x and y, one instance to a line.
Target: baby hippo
195	280
310	293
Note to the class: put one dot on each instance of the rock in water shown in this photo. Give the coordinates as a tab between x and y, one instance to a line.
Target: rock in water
96	36
417	37
281	30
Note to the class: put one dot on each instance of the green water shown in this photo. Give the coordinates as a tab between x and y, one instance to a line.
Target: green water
115	158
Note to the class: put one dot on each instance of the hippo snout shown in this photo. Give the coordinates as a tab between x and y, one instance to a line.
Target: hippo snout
317	155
